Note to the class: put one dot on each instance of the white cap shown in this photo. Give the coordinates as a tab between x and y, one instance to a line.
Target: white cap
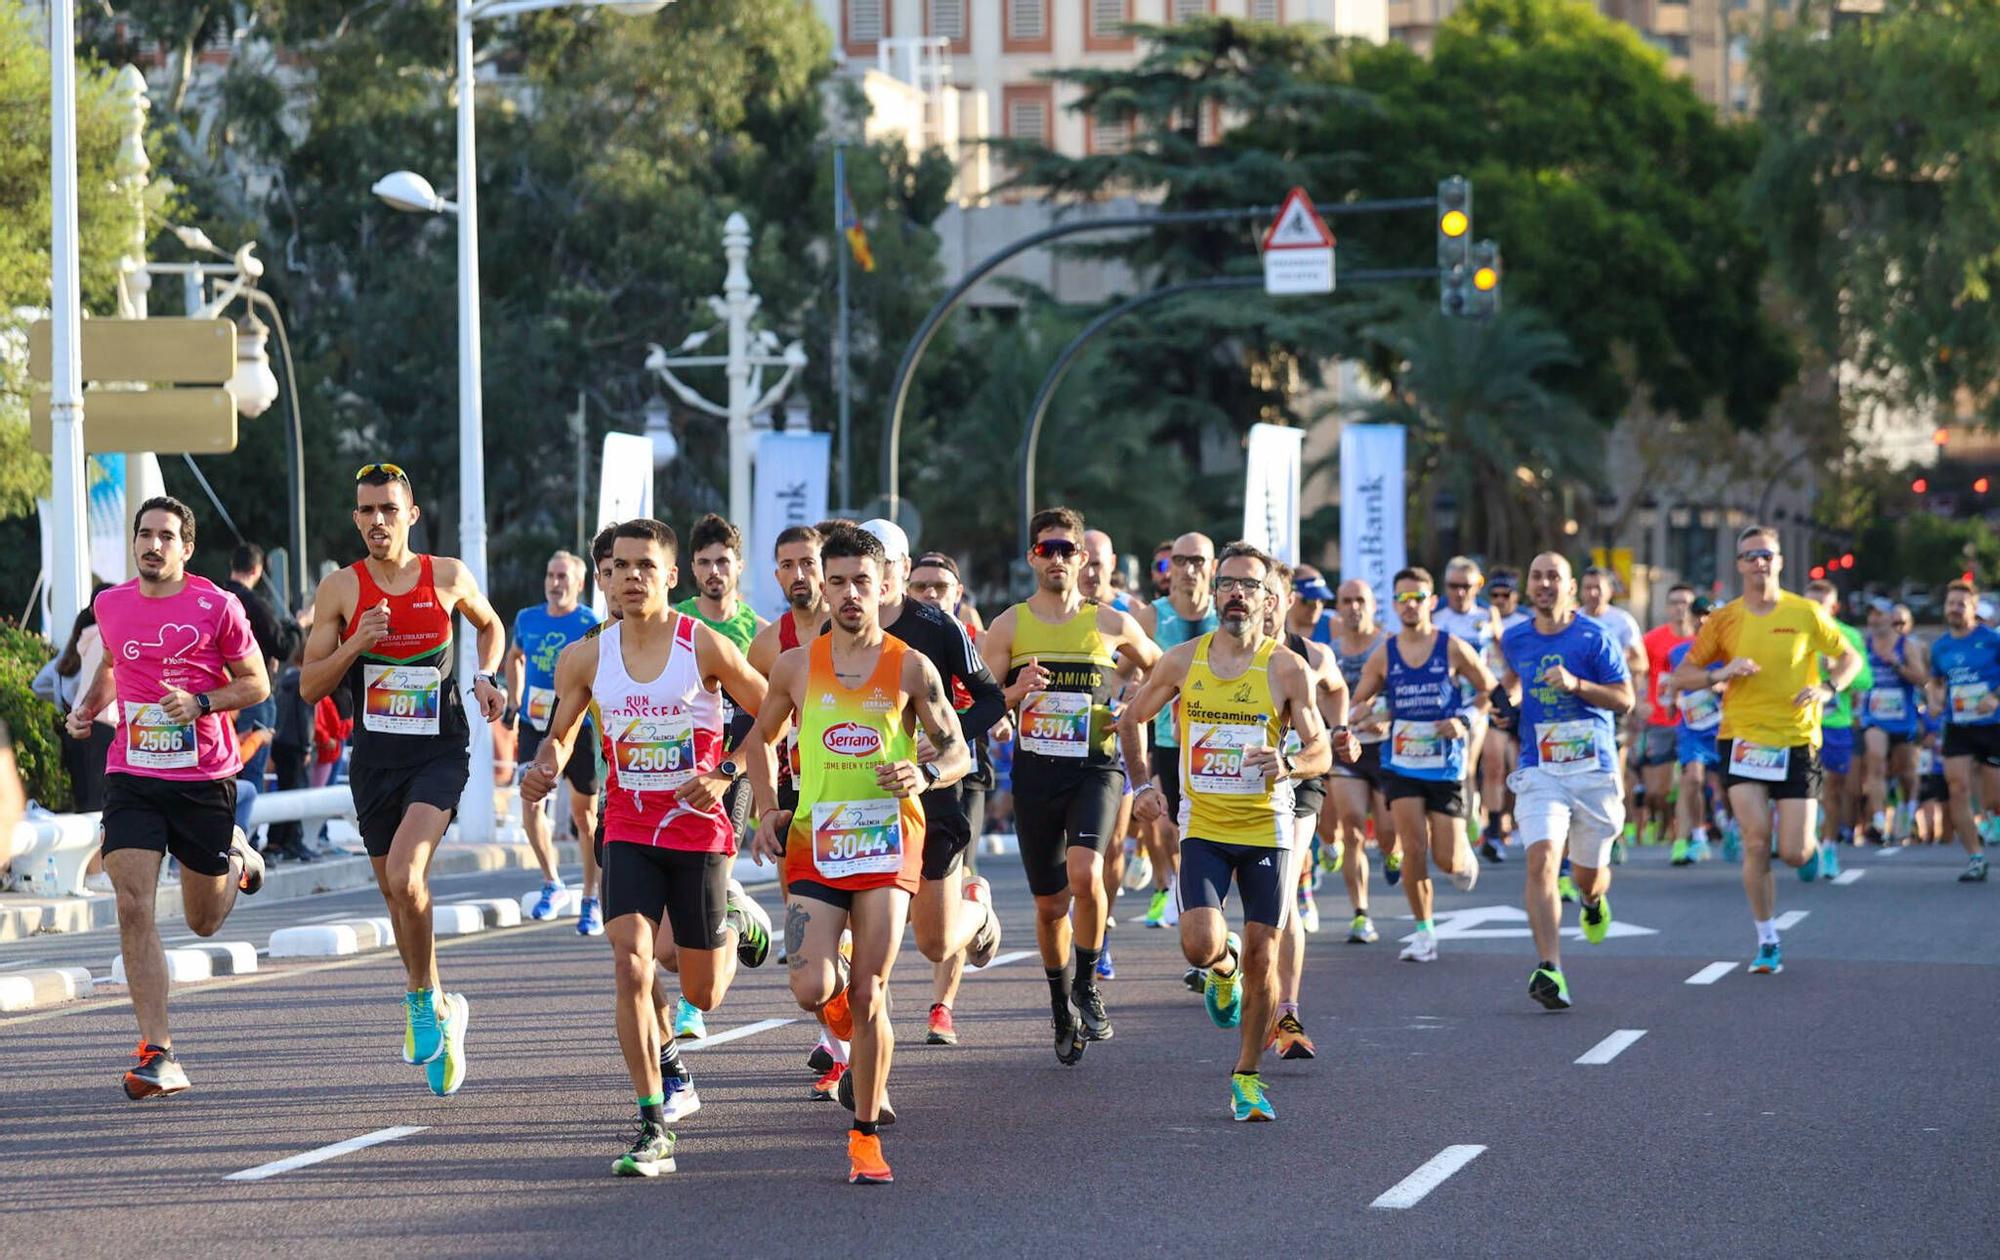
891	536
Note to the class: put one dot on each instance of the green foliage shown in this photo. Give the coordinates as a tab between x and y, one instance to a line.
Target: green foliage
1878	189
31	721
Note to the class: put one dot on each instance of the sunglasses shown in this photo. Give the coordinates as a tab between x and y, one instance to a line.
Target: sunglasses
371	470
1190	562
1757	553
1054	549
1458	586
1162	565
1412	597
1497	591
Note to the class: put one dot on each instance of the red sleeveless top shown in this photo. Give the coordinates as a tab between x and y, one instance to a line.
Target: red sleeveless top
406	706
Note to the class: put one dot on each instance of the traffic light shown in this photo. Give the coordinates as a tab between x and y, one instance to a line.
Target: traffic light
1454	239
1979	486
1484	298
1921	485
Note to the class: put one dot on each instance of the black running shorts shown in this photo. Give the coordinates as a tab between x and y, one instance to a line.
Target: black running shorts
193	819
1980	742
1438	796
1078	809
947	831
1802	774
688	891
383	794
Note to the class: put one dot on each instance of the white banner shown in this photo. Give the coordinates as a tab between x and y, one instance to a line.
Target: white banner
790	490
1371	505
624	486
1271	490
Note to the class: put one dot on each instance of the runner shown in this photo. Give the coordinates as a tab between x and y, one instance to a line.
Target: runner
1162	573
1836	753
179	657
1594	590
1355	789
541	632
1423	762
1097	580
1501	753
1965	688
1571	683
1660	740
1311	616
1697	760
853	848
1463	617
1767	645
1891	722
1234	693
382	628
669	841
715	548
1188	610
1059	653
1933	819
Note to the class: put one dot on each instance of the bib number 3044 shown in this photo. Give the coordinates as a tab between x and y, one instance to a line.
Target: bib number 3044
857	838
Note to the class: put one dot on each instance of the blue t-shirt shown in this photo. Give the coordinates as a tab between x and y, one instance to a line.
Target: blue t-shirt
1558	731
542	638
1970	670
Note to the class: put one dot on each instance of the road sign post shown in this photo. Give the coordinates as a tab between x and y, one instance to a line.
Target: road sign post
1298	249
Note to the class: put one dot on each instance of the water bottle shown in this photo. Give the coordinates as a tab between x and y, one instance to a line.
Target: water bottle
49	877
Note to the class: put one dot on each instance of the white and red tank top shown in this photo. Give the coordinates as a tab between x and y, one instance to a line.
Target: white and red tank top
657	736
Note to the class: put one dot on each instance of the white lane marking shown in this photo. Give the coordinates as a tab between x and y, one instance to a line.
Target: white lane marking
320	1155
1790	919
737	1034
1848	877
1711	973
1611	1047
1411	1190
1002	960
1891	851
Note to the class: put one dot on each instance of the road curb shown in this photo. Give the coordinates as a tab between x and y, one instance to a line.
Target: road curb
43	986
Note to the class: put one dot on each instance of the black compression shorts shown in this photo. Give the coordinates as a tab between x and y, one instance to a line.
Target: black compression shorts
686	890
1080	810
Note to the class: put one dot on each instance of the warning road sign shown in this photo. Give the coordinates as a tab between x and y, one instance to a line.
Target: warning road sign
1298	249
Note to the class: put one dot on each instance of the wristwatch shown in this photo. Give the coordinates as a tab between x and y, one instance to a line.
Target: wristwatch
730	768
931	773
202	702
491	680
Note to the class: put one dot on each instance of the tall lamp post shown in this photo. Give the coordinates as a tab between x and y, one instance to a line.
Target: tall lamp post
407	190
69	559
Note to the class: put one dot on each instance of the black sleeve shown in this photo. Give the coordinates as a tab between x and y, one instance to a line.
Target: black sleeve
958	659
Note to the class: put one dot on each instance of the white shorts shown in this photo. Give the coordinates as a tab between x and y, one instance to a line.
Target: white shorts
1583	812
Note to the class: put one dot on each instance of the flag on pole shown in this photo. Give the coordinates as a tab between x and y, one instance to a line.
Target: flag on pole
850	222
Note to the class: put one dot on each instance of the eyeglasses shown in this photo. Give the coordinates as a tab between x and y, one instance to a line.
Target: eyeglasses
1458	586
1190	562
938	588
1239	585
370	470
1412	597
1053	549
1755	554
1499	592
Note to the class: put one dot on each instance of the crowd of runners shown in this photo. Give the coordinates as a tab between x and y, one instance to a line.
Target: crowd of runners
1215	751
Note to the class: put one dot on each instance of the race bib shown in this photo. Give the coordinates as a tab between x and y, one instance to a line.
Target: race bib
154	741
1888	704
1056	724
401	699
541	706
1416	745
1928	762
857	838
1965	701
1215	759
1700	710
1567	747
1759	761
654	754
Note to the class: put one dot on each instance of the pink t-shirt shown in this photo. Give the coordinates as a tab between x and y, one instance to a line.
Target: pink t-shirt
186	641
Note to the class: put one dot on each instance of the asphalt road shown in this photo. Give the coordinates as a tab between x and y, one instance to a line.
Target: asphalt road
1844	1108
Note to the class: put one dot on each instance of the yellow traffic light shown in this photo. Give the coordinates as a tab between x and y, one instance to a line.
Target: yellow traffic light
1454	223
1485	279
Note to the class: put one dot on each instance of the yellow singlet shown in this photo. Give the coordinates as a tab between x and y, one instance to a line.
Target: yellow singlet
1219	719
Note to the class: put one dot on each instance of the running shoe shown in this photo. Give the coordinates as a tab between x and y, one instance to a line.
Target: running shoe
1156	911
1196	979
251	878
421	1040
159	1073
1732	842
1246	1097
1138	870
865	1165
1809	870
821	1057
1392	868
824	1089
1172	918
1089	1005
1491	851
1071	1039
1548	987
1566	888
1225	1004
680	1099
447	1072
1678	855
845	1093
1975	870
1595	919
1651	835
986	940
1288	1038
839	1016
1423	947
1308	910
753	926
1104	970
1464	867
1618	852
545	905
688	1022
1362	931
1698	850
941	1032
589	919
652	1153
1829	861
1331	865
1770	960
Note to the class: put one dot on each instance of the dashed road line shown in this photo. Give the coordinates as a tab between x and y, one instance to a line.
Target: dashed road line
737	1034
1411	1190
1848	877
1002	960
1611	1047
1790	919
1711	973
320	1154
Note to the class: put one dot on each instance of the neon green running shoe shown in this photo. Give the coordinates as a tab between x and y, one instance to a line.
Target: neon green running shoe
1246	1097
1566	888
652	1153
447	1072
1156	912
1548	987
1225	1004
1678	856
1596	920
1392	868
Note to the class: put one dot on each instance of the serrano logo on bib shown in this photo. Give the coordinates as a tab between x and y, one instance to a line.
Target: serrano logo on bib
851	739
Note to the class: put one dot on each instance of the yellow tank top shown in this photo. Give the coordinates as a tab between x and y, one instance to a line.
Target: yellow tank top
1070	724
1219	719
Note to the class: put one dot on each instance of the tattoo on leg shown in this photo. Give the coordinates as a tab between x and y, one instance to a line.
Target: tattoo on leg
796	919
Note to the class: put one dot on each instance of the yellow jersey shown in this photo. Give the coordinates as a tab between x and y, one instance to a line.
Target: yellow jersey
1069	724
1219	719
1787	644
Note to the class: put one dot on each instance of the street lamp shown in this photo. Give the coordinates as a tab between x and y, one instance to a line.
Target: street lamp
407	190
255	386
660	432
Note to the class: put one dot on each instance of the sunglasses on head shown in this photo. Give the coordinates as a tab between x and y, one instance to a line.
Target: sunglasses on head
1053	549
1412	597
371	470
1757	553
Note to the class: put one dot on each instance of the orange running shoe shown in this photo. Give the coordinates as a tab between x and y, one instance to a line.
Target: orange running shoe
865	1165
828	1085
1289	1038
941	1031
839	1019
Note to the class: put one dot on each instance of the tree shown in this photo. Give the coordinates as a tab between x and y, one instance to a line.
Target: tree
1878	187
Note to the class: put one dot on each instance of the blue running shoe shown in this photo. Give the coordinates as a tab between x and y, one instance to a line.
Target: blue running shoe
1770	960
545	905
1392	868
1810	871
688	1023
679	1101
422	1042
1829	861
1105	971
1246	1097
589	919
1732	843
1221	993
447	1072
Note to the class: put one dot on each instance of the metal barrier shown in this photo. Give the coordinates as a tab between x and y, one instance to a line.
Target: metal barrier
51	852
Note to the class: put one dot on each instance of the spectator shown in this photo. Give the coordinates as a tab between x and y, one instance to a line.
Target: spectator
68	673
276	637
331	728
13	801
